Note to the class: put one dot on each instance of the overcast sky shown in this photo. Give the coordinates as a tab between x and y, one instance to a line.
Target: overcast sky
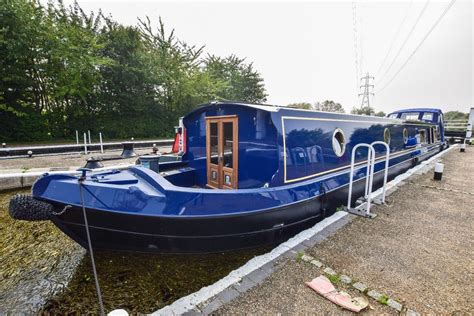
305	50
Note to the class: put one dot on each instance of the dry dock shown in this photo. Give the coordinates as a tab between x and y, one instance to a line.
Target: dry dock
418	252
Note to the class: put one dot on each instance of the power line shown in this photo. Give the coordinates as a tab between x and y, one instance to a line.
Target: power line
356	50
406	40
421	43
361	39
394	38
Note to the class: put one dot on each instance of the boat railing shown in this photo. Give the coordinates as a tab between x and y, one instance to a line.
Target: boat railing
387	161
368	179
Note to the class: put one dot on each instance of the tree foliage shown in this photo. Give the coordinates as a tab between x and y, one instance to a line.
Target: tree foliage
325	106
62	70
455	115
329	106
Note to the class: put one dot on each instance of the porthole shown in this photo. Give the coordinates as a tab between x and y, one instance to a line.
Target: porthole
338	142
405	136
386	136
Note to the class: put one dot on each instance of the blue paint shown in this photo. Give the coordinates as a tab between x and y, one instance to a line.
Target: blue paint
307	137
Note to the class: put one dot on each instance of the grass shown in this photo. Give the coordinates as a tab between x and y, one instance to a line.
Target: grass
383	299
335	279
299	255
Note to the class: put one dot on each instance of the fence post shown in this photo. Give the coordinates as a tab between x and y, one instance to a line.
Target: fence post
85	144
89	133
77	137
101	145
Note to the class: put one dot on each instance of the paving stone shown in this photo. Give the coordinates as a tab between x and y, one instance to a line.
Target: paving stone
299	248
244	285
394	304
268	267
228	295
329	271
345	279
411	312
306	258
257	276
360	286
211	306
317	263
193	312
374	294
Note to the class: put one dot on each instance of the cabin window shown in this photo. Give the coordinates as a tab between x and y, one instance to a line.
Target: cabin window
228	144
405	136
410	116
214	144
386	136
393	115
338	142
427	116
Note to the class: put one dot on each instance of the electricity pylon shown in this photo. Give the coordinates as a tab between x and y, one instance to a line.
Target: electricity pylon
366	94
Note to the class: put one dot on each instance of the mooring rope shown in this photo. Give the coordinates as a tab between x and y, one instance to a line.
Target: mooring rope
97	286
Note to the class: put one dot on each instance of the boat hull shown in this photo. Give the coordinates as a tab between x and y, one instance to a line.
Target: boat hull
207	234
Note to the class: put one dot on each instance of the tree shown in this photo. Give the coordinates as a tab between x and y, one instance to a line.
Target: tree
365	110
325	106
329	106
64	70
237	79
380	114
455	115
302	105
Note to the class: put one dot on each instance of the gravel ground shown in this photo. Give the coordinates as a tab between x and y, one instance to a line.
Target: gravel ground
72	161
419	251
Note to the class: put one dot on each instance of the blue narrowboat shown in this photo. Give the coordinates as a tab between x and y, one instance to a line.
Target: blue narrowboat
250	175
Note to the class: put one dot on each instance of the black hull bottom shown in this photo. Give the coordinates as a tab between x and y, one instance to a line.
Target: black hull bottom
111	231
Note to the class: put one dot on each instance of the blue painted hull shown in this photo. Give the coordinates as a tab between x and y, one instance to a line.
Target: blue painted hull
202	220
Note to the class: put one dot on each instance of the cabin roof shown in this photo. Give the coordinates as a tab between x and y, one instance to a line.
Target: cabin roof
433	110
272	108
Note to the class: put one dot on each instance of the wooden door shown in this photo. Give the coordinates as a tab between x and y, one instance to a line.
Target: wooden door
222	152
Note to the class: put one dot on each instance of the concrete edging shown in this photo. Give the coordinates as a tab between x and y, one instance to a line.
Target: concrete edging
210	298
11	181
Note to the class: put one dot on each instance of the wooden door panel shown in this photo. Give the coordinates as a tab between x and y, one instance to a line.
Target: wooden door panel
222	152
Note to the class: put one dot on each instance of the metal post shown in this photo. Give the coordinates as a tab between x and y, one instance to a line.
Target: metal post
101	145
77	137
369	180
351	176
85	144
371	175
89	132
387	161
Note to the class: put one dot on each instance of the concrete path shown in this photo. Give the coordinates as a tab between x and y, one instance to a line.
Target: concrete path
418	251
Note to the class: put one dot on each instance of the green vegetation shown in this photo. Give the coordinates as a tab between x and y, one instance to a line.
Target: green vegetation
383	299
367	110
299	255
455	115
63	70
326	106
335	279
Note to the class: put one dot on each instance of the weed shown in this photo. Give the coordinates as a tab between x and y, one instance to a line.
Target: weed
334	278
299	255
383	299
